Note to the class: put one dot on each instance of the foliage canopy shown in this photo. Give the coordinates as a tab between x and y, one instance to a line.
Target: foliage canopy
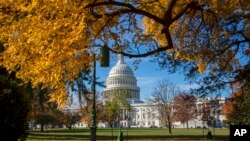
237	108
51	41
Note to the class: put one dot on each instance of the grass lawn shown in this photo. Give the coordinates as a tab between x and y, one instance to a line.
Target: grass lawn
132	133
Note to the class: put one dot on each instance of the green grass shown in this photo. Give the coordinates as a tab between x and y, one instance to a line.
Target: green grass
161	131
106	133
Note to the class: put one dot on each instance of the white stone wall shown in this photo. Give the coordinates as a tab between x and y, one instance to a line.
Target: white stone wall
145	115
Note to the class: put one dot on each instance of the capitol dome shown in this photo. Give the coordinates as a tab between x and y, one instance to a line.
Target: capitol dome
121	80
121	69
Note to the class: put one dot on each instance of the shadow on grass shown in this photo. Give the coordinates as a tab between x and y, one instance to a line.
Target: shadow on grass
39	136
63	130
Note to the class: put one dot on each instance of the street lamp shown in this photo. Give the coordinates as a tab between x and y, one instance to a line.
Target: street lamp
104	63
93	112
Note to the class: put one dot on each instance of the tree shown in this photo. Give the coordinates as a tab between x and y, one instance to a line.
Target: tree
44	119
185	108
70	118
14	106
237	108
163	95
43	111
113	108
201	35
205	112
85	115
50	118
59	117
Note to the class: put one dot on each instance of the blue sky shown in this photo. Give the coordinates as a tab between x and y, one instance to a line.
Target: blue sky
148	74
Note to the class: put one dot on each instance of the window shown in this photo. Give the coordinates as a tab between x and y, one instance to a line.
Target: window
153	115
153	123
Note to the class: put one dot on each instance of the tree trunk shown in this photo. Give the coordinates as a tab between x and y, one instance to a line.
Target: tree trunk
170	128
70	127
42	127
187	125
169	125
112	133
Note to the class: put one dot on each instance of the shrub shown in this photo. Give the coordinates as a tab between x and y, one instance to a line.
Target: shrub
14	108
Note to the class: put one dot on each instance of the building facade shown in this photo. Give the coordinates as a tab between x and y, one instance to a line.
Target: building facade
121	81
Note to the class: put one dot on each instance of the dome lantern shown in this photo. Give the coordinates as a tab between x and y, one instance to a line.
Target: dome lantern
120	59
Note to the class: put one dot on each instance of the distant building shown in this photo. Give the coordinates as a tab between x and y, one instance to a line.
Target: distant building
121	80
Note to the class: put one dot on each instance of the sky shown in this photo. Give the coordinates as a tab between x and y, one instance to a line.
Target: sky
148	74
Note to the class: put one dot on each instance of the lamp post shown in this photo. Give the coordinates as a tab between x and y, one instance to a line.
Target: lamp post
104	63
93	112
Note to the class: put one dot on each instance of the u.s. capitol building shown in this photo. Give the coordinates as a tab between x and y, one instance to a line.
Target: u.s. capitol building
121	80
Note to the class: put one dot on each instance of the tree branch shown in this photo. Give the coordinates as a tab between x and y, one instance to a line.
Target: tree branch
131	9
220	52
115	3
180	14
140	55
168	13
169	39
